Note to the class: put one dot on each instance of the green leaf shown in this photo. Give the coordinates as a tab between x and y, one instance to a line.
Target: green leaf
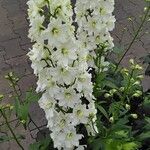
144	135
17	104
122	133
121	124
130	146
103	111
41	145
23	112
31	96
147	101
147	119
110	84
97	144
112	144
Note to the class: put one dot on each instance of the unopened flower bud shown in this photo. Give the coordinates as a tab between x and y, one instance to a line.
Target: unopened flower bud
140	77
130	19
23	121
132	80
112	91
17	79
131	61
137	94
11	74
137	83
122	89
107	95
11	84
128	107
6	77
8	106
138	67
135	116
111	119
125	71
1	96
145	8
10	95
11	107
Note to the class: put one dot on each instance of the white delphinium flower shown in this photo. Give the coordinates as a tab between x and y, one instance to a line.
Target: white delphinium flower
47	103
37	66
61	9
61	57
103	7
47	82
57	32
63	75
104	38
65	53
81	147
62	121
68	97
95	20
38	52
36	28
95	23
80	114
67	138
36	19
91	126
83	84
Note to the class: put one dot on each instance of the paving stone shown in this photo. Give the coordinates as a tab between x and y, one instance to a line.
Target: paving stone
20	65
27	82
9	2
12	145
12	8
19	21
138	50
4	86
3	15
6	32
3	66
133	8
23	33
120	15
37	115
146	83
145	41
26	47
23	5
12	48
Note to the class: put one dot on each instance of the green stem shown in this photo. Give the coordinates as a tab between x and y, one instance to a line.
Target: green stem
134	38
99	55
127	88
11	130
15	90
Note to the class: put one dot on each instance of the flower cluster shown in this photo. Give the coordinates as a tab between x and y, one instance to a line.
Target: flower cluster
95	21
59	59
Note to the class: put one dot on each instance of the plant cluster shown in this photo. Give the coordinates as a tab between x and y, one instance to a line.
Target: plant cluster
90	102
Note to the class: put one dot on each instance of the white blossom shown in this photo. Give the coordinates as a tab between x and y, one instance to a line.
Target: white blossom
62	56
